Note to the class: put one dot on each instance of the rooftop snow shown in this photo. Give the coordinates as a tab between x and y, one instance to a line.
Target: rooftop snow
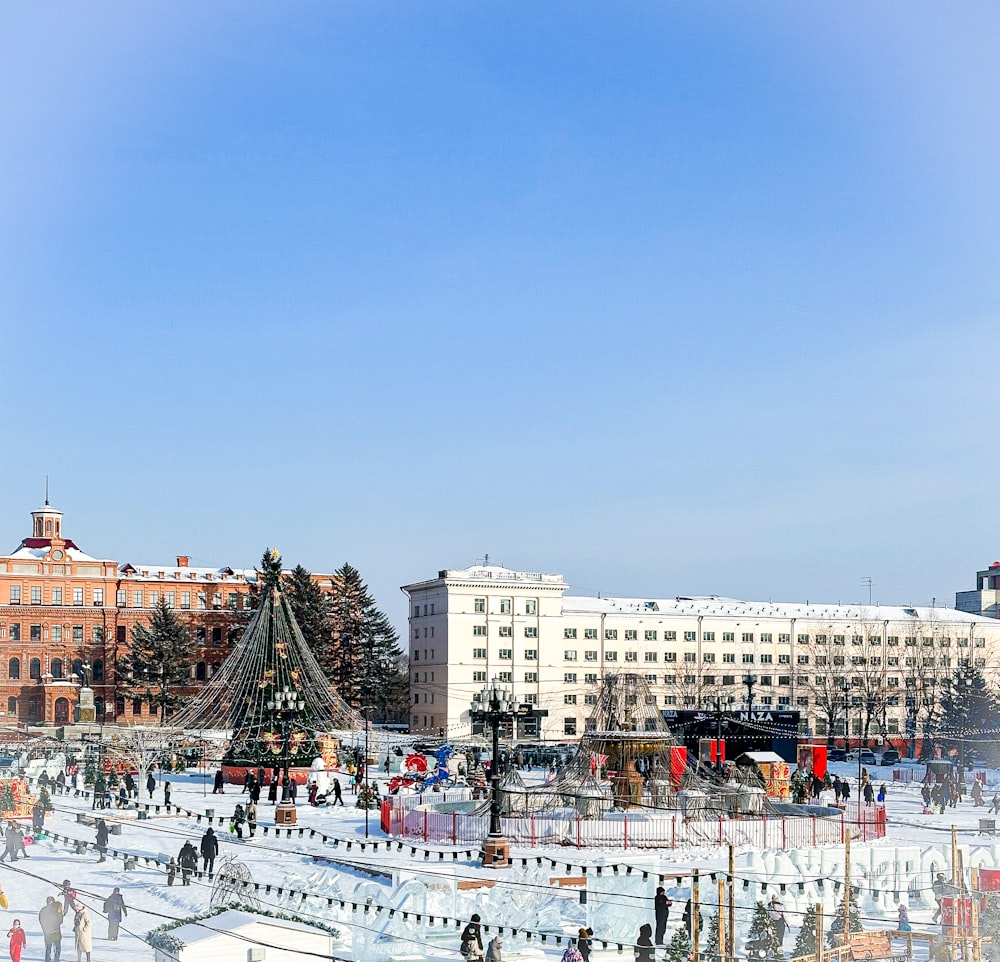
713	605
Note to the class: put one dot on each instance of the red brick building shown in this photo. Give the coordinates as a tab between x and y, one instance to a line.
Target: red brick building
63	611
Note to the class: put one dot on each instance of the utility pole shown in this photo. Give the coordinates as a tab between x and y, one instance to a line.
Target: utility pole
731	921
847	885
723	937
819	932
695	918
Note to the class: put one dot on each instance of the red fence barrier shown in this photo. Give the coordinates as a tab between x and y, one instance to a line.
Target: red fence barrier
624	831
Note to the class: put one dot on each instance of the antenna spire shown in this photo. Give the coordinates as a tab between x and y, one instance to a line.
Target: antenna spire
46	489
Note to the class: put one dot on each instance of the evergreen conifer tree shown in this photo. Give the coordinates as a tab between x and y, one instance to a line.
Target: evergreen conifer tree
89	771
6	797
805	942
710	950
967	707
363	655
762	939
679	946
311	607
837	922
158	661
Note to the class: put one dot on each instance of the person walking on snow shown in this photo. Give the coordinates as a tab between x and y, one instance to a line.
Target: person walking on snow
150	783
238	819
102	839
50	919
209	849
252	817
472	940
17	940
187	859
114	909
83	933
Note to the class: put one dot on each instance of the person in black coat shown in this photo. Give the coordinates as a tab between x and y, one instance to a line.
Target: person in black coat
188	861
272	790
661	906
472	940
209	850
217	787
150	783
338	798
102	839
644	944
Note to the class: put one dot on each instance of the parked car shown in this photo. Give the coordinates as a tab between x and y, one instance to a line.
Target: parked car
890	757
868	757
836	755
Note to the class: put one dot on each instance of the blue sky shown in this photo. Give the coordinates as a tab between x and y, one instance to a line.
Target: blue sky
673	298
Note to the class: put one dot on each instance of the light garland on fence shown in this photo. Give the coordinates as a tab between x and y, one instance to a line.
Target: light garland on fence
600	871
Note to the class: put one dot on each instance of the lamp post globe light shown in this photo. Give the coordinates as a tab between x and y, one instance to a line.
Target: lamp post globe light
492	706
285	705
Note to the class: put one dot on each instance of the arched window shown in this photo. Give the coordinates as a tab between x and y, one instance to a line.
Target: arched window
35	669
14	669
32	707
99	708
11	706
120	706
137	706
56	668
77	666
98	670
199	671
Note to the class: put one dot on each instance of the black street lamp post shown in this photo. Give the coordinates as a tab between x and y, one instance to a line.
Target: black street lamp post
493	706
367	710
286	705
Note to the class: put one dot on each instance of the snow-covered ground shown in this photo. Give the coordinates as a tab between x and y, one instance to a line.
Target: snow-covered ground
335	880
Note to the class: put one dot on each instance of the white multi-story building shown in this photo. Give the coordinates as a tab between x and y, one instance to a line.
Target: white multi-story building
879	668
984	602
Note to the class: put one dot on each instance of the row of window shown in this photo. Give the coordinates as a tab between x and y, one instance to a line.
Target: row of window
33	704
56	596
747	637
55	668
138	598
60	633
200	671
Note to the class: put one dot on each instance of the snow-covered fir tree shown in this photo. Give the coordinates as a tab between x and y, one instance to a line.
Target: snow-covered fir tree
805	942
762	941
679	947
837	922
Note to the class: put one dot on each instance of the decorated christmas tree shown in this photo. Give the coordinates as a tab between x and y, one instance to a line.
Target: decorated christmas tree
271	658
6	797
89	771
368	796
679	947
833	936
805	943
710	950
762	942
